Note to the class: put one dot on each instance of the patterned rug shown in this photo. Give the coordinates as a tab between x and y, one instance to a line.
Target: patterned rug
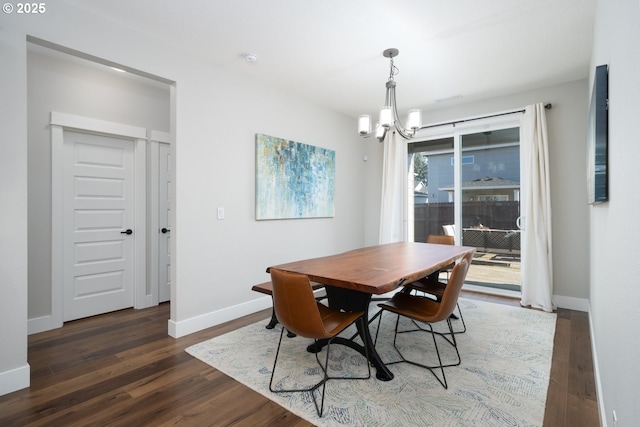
502	381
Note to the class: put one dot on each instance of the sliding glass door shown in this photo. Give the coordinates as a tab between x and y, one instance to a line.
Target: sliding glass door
490	186
468	185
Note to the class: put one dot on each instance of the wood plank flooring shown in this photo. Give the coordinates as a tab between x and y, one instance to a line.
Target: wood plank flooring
122	369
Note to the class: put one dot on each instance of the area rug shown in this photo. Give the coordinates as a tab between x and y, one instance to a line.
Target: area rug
502	380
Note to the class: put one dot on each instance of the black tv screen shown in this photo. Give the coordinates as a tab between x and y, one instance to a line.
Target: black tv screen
597	140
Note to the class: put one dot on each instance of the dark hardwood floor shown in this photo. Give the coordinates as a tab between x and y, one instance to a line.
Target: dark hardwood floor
122	369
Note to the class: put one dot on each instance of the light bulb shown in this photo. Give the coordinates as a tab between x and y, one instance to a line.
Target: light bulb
386	119
414	120
364	124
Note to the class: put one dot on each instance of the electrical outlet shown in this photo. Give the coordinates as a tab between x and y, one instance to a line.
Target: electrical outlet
220	213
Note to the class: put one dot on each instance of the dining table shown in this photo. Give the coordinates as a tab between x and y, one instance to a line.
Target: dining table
353	278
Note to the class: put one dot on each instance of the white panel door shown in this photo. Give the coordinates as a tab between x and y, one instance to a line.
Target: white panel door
164	223
99	239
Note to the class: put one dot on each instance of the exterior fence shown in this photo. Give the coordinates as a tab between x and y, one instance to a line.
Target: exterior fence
489	226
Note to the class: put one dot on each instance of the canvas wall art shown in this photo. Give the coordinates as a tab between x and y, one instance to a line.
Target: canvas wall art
293	180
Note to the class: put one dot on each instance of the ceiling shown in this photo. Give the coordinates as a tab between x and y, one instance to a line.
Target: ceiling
330	51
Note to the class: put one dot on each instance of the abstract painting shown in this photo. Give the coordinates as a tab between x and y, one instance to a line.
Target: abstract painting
293	180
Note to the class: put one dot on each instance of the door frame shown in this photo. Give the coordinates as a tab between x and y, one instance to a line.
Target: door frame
155	138
59	123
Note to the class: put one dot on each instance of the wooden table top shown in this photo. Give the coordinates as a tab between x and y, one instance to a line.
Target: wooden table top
378	269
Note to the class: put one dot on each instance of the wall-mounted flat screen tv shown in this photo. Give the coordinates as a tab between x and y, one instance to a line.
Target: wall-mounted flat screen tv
597	139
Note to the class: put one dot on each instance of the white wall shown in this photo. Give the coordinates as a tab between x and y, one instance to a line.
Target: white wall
14	370
215	121
567	125
227	256
615	317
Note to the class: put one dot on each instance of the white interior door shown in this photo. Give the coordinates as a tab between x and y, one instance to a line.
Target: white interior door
98	248
164	224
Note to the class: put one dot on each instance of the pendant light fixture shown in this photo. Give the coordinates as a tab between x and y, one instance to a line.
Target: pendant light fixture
389	119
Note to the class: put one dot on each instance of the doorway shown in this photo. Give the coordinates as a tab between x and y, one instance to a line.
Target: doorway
467	184
61	79
98	192
164	213
160	173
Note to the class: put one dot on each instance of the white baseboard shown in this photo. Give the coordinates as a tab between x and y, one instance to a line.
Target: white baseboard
15	379
571	303
176	329
204	321
41	324
198	323
596	374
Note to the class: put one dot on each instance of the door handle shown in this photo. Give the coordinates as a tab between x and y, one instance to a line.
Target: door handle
128	231
164	230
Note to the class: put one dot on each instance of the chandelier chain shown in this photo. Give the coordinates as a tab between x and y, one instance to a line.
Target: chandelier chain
393	69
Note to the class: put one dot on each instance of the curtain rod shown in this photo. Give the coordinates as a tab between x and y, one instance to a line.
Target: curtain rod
546	107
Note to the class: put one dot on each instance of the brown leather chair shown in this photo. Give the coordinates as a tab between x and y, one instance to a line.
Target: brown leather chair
431	285
428	311
442	239
298	311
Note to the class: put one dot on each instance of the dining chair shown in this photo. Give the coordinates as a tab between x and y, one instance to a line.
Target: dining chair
432	286
298	311
442	239
425	310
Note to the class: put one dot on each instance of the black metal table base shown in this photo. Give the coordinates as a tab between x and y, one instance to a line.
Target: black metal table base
351	300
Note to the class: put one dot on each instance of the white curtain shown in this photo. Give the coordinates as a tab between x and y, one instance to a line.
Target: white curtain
394	185
535	210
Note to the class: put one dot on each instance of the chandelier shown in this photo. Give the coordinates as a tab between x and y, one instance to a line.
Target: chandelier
389	119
